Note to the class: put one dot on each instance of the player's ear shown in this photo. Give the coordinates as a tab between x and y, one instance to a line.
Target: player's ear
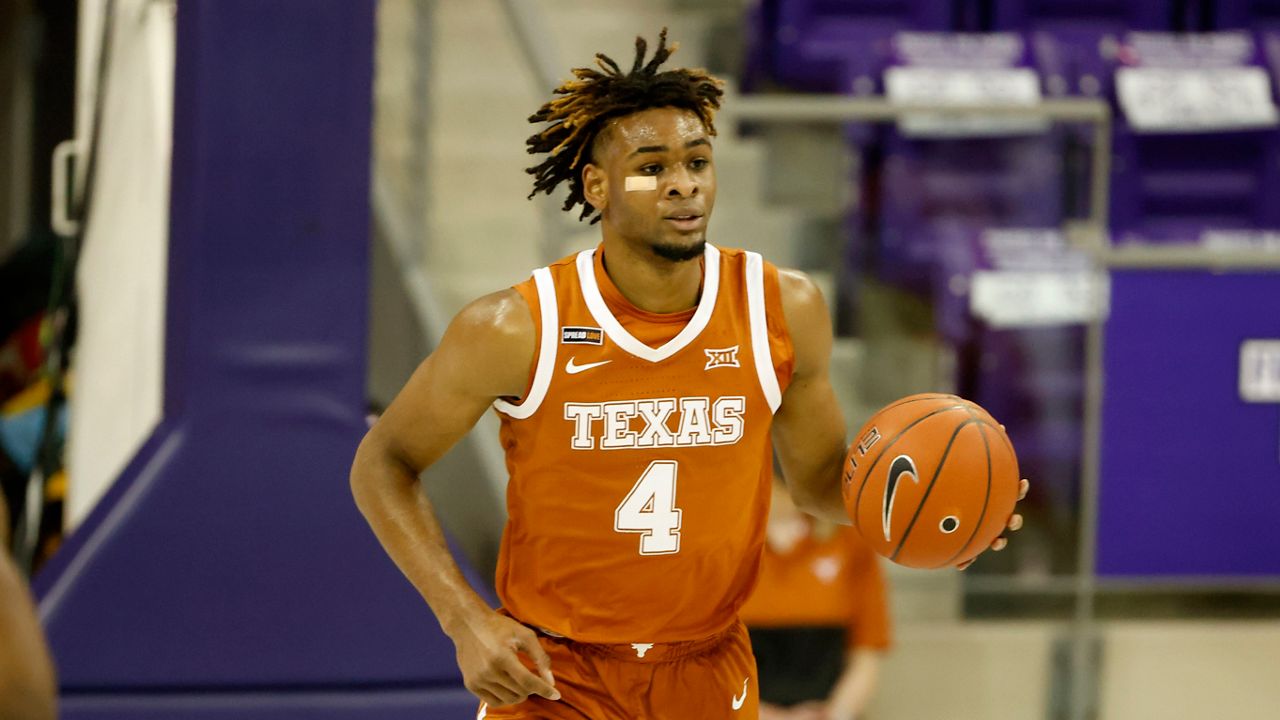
595	186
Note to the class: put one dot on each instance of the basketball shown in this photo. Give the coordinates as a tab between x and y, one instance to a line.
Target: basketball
930	481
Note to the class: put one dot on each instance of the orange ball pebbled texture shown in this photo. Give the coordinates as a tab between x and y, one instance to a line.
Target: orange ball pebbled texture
930	481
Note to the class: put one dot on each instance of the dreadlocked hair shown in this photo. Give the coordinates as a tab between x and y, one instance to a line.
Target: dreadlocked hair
586	103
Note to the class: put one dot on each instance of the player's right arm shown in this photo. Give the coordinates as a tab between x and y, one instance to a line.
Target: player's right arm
486	353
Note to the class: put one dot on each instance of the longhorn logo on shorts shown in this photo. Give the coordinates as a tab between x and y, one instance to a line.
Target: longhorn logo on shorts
901	465
641	648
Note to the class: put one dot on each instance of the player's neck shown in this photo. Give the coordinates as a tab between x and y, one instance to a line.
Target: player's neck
649	282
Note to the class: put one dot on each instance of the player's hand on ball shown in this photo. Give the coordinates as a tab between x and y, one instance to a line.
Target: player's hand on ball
1015	524
488	655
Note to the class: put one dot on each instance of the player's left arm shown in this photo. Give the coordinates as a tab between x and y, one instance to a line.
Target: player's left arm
808	428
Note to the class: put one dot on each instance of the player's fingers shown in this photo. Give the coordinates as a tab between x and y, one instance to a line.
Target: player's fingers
965	564
1023	487
487	696
506	689
529	645
493	680
1015	523
527	642
527	682
523	683
999	544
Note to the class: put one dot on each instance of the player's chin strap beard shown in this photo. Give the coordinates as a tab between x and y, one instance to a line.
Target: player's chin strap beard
676	253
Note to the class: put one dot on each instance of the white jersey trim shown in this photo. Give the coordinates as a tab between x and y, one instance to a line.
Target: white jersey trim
546	350
623	339
760	331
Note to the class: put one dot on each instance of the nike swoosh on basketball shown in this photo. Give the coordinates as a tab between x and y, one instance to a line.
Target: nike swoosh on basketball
573	368
737	701
902	465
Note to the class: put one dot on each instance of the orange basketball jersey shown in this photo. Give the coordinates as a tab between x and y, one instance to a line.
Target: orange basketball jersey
639	457
823	581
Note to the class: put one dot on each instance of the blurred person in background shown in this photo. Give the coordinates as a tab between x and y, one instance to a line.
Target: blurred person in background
818	618
28	689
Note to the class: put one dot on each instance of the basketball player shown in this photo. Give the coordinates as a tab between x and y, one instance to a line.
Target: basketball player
639	386
818	617
27	686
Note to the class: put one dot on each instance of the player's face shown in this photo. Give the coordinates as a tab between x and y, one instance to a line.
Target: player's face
673	148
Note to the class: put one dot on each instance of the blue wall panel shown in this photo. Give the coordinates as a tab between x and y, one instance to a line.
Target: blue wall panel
386	705
229	554
1190	476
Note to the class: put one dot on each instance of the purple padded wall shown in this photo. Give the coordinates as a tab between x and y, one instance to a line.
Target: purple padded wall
1190	475
440	704
229	556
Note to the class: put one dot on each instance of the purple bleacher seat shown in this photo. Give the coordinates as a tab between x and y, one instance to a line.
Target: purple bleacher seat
840	45
1032	381
758	22
930	183
1262	15
1004	371
1073	38
928	187
1173	186
1269	42
932	187
1098	16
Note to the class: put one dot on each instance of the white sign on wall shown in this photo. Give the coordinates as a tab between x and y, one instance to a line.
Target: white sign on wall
1162	99
1260	371
1011	298
964	87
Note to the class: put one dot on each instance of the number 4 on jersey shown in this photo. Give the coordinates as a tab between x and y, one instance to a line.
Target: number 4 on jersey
650	509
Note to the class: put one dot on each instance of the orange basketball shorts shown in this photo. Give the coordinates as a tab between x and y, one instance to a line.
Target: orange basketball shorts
709	679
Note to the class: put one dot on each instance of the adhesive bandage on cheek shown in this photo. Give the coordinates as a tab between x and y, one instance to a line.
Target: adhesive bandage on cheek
641	183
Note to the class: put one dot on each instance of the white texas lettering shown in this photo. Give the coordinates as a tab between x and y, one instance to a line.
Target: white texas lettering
727	416
616	425
655	414
695	423
583	415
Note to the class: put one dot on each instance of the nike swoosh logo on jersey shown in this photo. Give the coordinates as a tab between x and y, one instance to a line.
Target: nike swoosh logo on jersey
573	368
737	701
